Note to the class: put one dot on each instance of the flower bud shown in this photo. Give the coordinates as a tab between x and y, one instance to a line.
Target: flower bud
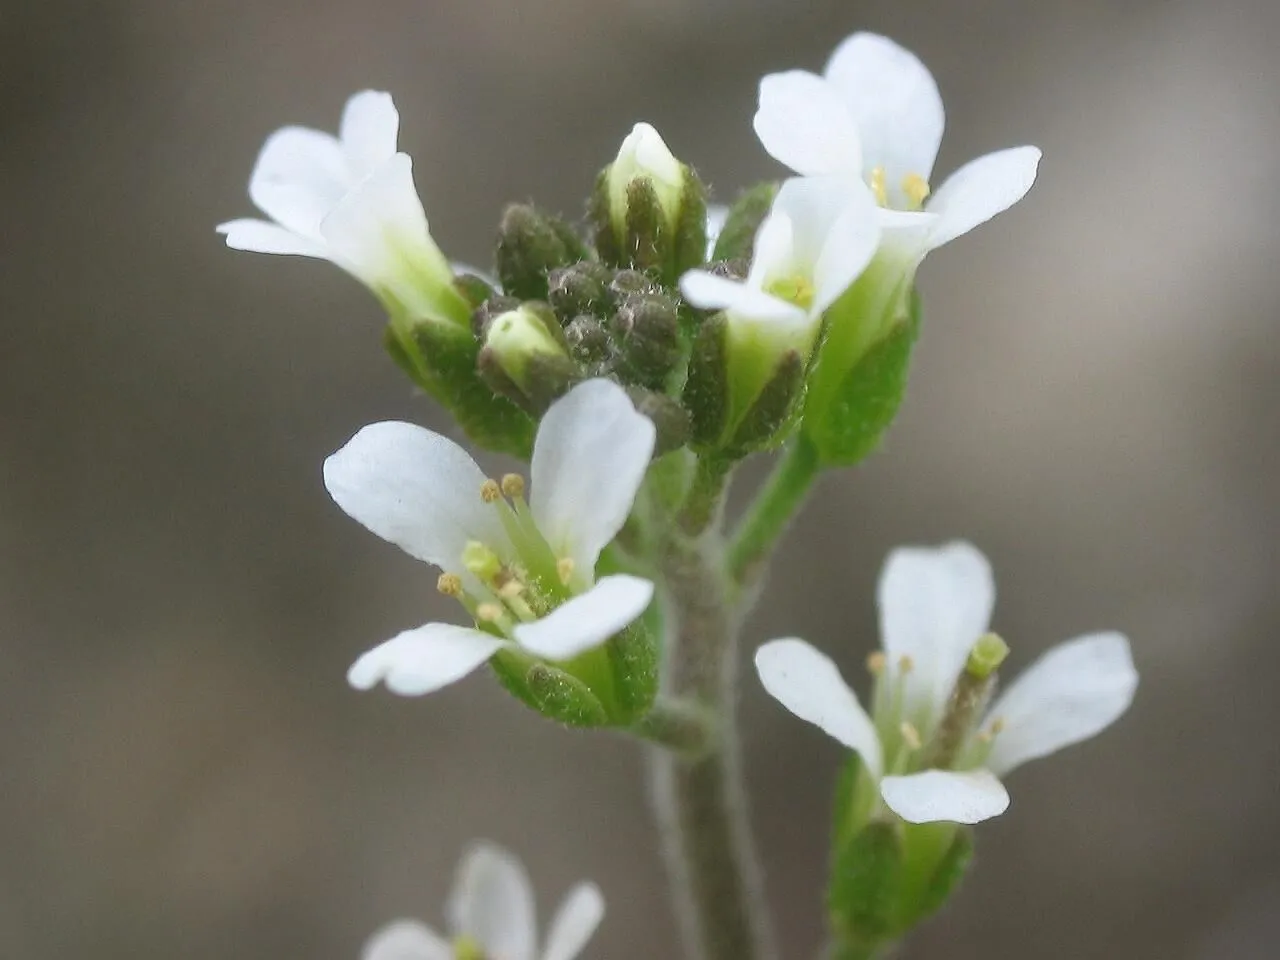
650	209
475	290
589	344
670	419
482	316
526	359
647	338
580	289
530	245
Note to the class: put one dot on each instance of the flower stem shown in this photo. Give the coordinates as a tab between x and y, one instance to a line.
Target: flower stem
701	802
704	501
773	509
683	726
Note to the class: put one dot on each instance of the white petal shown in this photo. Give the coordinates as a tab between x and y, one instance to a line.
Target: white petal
406	940
710	292
851	242
589	459
415	488
808	683
1070	694
934	604
424	659
299	176
378	233
259	236
574	923
980	189
370	125
492	902
717	217
803	124
943	795
895	102
587	620
773	252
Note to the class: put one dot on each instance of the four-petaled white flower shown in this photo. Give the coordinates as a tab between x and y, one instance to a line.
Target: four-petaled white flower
350	199
935	604
491	916
875	114
525	571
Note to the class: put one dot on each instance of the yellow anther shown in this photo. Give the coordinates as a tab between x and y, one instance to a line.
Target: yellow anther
513	485
910	735
511	589
490	492
465	948
916	189
878	188
564	569
450	584
488	613
905	663
876	662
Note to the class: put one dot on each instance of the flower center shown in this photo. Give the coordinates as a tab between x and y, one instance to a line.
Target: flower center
796	289
913	186
518	582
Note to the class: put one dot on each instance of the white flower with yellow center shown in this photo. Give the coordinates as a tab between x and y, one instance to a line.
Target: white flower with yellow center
875	114
491	916
350	199
524	570
932	745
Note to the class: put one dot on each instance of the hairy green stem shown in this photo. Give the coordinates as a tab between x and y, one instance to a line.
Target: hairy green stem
701	803
773	510
684	726
704	501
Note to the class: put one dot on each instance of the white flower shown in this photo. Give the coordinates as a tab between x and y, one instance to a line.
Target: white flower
525	571
350	199
935	604
644	154
876	114
491	916
820	234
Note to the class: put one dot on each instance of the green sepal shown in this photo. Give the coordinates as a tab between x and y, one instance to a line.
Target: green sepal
706	389
866	884
942	880
647	338
531	244
633	653
848	421
475	290
768	421
670	420
647	238
745	216
608	246
689	247
548	690
441	360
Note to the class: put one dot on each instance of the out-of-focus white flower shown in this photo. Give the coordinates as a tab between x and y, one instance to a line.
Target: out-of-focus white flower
875	114
350	199
491	916
524	570
931	743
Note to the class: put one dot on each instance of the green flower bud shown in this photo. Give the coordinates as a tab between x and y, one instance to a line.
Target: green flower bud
530	245
649	209
866	884
669	418
475	290
525	357
485	313
647	338
441	359
589	344
580	289
627	282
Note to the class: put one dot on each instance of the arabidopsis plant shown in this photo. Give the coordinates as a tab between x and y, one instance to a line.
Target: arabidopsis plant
350	199
525	571
491	916
933	750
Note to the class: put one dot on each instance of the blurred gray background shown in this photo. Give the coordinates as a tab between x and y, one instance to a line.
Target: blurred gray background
184	772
